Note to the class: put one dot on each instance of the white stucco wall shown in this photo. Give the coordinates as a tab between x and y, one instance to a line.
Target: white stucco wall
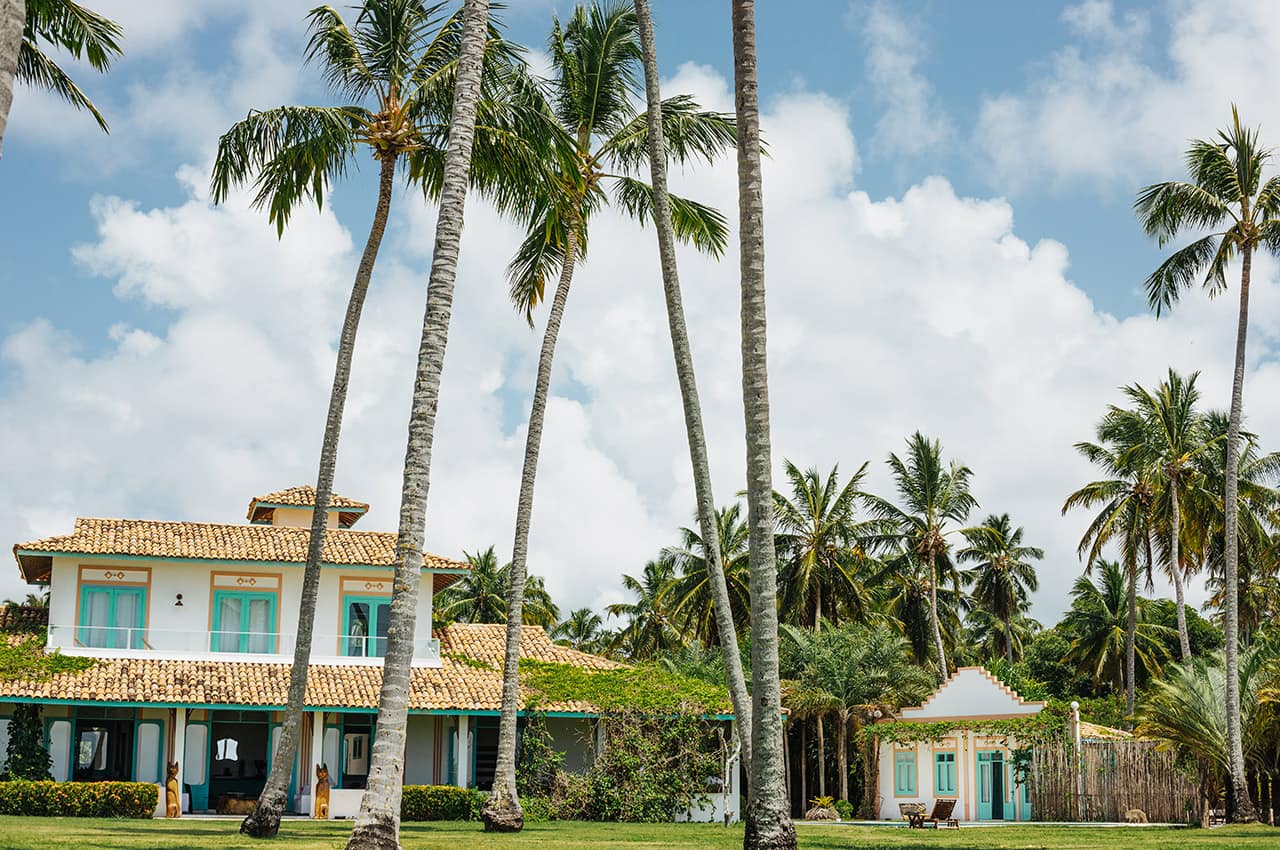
186	628
971	692
420	750
300	517
575	737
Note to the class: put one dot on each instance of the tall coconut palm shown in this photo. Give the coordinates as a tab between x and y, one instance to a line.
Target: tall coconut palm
378	823
934	495
396	64
1226	195
690	595
1002	574
595	59
1175	439
987	636
580	630
1104	637
768	822
717	581
480	595
1126	496
649	629
26	29
820	538
906	597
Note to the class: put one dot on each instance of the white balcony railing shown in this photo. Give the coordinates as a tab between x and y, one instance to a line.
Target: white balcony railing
125	642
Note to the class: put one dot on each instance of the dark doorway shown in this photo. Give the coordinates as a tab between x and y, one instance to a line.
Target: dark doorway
238	757
486	751
104	747
997	786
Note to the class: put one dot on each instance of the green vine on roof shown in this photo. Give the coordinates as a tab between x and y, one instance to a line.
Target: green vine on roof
647	689
26	660
467	660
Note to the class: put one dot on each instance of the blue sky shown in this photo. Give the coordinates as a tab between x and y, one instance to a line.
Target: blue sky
950	248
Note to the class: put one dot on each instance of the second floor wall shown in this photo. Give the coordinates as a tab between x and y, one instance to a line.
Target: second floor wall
223	610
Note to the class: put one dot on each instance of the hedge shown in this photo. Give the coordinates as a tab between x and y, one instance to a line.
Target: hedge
79	799
440	802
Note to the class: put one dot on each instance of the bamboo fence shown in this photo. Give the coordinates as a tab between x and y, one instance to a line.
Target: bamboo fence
1110	778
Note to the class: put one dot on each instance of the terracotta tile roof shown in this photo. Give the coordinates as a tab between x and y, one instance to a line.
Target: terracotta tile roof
304	496
211	541
468	678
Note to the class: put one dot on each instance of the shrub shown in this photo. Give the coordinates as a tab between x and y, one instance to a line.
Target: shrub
26	757
440	802
79	799
845	808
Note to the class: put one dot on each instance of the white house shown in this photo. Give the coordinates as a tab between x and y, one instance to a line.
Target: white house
973	768
192	628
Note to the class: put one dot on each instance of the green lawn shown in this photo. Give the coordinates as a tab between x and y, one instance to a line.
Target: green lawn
83	834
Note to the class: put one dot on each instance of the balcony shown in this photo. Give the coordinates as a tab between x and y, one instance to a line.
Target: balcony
273	647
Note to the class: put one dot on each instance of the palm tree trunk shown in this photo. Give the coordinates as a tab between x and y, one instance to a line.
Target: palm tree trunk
1008	638
683	354
842	758
378	824
502	812
1130	638
264	821
822	757
804	765
1243	811
817	606
933	617
13	20
768	825
1175	566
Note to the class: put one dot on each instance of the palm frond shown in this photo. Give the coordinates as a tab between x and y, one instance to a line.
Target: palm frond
37	70
1184	267
690	134
693	222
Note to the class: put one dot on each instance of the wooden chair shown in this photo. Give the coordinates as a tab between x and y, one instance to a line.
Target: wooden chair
912	813
941	815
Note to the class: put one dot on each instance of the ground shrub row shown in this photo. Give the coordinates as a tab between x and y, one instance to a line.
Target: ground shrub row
79	799
440	802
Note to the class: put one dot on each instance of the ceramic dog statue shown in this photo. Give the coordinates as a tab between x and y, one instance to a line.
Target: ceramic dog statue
322	792
172	795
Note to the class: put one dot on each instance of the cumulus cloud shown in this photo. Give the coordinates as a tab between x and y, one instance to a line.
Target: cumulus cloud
925	311
913	121
1103	110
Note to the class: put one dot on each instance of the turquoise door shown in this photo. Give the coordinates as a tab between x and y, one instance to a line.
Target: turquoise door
112	616
991	783
364	626
244	621
195	768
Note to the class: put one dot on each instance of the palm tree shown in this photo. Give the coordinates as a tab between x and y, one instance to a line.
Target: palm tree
1175	439
1126	495
907	599
1003	574
820	539
987	636
850	672
595	57
768	822
399	57
27	28
581	630
480	595
1099	625
932	495
690	596
1227	196
378	823
715	568
649	629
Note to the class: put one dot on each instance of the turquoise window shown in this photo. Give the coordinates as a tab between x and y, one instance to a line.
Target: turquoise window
944	774
244	621
904	773
112	616
364	625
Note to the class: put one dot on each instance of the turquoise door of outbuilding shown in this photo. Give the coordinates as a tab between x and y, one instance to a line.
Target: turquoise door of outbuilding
992	784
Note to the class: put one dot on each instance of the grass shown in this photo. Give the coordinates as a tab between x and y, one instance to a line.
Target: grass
85	834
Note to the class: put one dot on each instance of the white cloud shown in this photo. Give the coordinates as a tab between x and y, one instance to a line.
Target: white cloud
1103	111
886	315
913	121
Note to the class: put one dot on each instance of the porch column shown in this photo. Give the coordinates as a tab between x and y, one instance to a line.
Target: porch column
179	749
463	752
317	756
